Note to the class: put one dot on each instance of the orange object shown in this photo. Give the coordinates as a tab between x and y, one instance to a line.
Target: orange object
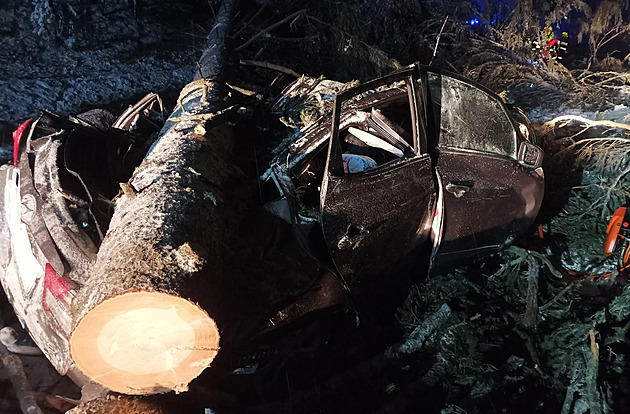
540	232
602	276
617	229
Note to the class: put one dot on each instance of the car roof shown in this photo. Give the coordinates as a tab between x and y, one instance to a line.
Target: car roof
295	148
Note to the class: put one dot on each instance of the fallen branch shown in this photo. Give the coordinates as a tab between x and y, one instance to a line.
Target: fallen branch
13	364
614	76
246	24
273	26
204	117
418	336
271	66
531	310
560	295
437	41
591	391
292	39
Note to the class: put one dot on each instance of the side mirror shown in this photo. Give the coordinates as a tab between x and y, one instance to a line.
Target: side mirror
529	155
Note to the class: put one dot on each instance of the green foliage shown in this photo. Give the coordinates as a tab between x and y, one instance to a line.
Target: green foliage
620	307
485	316
599	162
564	332
489	314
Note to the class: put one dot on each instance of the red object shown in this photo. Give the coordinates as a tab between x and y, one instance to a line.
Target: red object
17	137
552	42
550	48
59	287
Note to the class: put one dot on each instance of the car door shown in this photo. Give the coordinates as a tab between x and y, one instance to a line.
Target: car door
377	219
490	176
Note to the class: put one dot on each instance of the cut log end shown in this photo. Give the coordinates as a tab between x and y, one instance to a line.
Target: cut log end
144	343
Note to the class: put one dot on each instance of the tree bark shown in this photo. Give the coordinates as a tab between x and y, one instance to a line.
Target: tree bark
121	404
188	258
13	364
137	327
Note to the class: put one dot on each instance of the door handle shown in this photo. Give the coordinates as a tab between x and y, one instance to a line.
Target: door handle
457	190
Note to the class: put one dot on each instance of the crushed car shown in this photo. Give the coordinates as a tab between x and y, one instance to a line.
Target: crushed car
417	170
55	208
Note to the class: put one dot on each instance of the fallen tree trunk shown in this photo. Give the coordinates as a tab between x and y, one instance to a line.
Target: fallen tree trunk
187	258
121	404
137	328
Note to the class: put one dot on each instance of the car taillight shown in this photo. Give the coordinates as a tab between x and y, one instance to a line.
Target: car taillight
59	287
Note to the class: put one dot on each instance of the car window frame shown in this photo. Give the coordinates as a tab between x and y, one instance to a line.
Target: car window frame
411	76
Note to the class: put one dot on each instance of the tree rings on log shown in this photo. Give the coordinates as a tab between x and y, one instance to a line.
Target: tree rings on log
144	343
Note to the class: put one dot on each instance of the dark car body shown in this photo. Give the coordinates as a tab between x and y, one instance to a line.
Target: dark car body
445	174
55	209
416	170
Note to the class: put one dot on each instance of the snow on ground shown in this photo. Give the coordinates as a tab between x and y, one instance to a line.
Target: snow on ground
70	81
116	55
619	112
616	113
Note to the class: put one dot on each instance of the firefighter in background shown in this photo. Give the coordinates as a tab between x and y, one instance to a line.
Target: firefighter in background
549	34
554	48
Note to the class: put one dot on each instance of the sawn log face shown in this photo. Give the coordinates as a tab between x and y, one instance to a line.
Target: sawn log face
162	239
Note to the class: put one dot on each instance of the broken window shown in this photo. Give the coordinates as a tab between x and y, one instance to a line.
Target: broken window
376	127
470	118
378	134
